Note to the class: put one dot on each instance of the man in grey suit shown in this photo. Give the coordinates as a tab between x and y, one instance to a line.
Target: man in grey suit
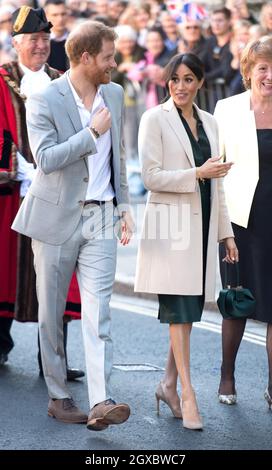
75	128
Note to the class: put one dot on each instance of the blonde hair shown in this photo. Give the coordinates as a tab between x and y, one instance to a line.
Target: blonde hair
258	49
87	37
264	10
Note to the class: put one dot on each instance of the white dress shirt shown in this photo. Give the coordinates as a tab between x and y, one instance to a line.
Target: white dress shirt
99	187
33	82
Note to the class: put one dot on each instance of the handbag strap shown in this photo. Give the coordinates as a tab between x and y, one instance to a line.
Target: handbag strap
226	275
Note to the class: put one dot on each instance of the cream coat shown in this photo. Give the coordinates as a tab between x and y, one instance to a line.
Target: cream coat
170	253
238	140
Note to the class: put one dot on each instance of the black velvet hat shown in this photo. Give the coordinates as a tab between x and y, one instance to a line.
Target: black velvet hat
28	20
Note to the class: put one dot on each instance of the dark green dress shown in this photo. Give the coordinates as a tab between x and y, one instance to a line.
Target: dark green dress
188	308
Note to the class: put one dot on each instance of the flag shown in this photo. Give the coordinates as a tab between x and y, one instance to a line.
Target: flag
193	11
183	11
175	7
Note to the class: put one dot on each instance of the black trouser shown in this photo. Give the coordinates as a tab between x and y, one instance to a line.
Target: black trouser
6	341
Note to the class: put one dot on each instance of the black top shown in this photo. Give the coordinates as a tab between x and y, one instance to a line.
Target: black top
262	201
202	151
254	242
58	58
217	60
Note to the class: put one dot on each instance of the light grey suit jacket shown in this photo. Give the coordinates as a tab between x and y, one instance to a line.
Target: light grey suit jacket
53	205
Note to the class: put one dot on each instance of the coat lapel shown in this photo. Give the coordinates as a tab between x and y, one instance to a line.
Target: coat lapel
178	128
247	131
109	103
213	140
69	102
70	106
108	98
210	133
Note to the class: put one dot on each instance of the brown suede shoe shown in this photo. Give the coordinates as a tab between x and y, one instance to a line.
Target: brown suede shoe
65	410
106	413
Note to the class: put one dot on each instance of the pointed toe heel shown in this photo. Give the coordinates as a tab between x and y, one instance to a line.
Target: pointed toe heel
158	403
191	417
193	425
268	398
227	399
174	407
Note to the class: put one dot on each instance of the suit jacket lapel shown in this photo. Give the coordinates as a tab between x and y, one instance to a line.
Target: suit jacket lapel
109	103
176	124
69	102
70	106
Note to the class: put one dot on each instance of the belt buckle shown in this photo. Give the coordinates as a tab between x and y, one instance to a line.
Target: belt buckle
91	201
94	201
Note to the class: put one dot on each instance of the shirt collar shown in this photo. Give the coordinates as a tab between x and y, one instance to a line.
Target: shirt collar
27	70
78	100
59	38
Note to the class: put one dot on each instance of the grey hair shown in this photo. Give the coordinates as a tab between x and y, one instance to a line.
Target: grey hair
125	31
18	38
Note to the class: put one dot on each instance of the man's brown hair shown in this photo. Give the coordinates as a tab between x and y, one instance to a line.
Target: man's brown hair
87	37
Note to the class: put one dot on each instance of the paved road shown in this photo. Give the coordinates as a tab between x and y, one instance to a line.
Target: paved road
139	339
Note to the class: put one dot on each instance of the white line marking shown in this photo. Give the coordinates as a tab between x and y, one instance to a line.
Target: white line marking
204	325
149	420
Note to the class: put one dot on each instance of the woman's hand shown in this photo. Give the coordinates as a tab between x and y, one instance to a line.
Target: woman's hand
232	254
212	168
127	228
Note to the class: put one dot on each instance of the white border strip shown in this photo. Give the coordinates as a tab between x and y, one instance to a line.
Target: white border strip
204	325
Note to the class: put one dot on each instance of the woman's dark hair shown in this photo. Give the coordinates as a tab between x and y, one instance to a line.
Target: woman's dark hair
190	60
157	28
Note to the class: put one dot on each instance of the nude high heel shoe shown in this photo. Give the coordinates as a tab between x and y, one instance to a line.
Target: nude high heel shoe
268	398
161	395
191	417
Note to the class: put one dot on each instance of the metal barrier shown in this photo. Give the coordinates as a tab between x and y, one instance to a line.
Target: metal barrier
210	93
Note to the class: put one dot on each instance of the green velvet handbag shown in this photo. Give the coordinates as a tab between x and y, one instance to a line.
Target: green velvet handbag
235	302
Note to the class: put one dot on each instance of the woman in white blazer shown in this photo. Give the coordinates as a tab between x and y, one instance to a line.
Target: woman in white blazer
185	217
245	134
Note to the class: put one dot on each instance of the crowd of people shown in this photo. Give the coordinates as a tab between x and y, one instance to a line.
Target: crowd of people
149	34
77	77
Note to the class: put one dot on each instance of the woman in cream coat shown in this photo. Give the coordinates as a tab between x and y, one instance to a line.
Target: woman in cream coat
185	217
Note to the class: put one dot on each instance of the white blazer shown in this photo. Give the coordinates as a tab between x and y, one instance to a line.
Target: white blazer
238	140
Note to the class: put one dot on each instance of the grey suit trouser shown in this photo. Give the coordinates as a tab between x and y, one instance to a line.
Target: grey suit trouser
91	251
